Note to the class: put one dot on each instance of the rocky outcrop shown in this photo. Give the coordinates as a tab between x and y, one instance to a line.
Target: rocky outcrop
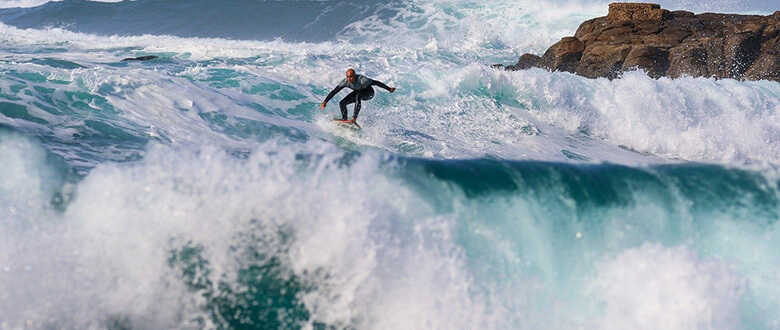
667	43
631	11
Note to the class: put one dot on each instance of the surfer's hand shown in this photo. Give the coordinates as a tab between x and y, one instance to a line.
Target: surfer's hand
322	105
392	89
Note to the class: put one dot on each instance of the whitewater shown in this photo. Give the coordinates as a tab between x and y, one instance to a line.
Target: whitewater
206	189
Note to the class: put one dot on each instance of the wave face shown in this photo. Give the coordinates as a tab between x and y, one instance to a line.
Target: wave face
206	189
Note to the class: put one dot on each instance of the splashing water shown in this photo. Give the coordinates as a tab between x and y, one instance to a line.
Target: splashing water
205	189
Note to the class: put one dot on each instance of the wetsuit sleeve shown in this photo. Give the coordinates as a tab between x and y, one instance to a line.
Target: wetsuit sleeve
333	93
380	84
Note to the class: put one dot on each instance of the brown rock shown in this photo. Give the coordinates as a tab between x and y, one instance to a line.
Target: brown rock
766	68
740	52
681	13
615	33
603	61
563	55
770	32
687	61
526	61
654	60
716	64
587	27
629	11
767	65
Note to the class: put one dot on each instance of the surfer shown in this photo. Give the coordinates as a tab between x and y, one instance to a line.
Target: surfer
361	91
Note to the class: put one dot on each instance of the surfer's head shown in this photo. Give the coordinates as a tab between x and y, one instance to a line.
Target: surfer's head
351	75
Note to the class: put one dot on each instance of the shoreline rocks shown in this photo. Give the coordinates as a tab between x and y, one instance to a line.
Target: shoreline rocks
666	44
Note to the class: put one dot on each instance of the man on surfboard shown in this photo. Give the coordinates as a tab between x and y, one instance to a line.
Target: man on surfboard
361	91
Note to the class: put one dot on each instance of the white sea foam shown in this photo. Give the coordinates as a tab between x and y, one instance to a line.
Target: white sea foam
652	287
464	25
114	48
688	118
28	180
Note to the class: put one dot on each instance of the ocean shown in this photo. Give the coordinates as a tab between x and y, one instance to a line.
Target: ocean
205	189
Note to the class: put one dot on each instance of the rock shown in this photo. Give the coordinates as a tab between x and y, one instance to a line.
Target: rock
766	68
526	61
682	13
628	11
140	58
767	65
741	51
587	28
603	61
687	61
564	55
663	43
654	60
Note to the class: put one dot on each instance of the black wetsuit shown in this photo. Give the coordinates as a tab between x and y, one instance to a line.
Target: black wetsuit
361	91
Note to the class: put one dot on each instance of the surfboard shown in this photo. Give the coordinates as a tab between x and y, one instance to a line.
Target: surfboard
347	124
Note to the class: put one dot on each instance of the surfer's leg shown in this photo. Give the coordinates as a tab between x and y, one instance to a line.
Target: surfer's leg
365	95
357	109
350	98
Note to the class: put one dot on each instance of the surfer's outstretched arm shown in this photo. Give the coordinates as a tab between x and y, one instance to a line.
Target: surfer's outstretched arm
331	95
382	85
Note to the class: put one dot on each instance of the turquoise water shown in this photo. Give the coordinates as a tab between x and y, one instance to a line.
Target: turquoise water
206	189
